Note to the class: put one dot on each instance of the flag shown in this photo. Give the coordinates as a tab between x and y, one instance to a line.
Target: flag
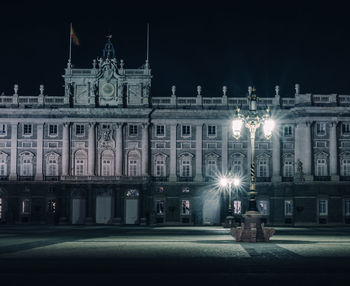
74	37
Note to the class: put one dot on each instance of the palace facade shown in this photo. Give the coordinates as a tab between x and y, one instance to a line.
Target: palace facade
107	152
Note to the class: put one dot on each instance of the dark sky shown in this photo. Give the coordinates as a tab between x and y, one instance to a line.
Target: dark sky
213	44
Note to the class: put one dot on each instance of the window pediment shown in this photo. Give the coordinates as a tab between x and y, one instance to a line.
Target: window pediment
26	154
345	154
3	155
321	155
52	156
237	155
263	156
212	156
80	154
186	154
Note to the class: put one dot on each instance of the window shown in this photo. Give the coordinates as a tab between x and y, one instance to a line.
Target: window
160	167
288	130
345	128
321	167
27	129
237	207
347	207
132	168
107	165
321	128
263	170
323	207
79	129
263	207
211	168
2	129
185	209
26	164
3	164
345	167
185	167
288	169
186	130
288	207
211	130
25	207
160	207
134	163
52	166
160	130
80	163
237	166
132	130
51	207
52	130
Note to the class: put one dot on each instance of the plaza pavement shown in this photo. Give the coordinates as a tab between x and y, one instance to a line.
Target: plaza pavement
101	255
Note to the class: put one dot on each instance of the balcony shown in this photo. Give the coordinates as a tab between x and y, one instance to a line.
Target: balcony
287	179
4	178
263	179
185	179
51	178
25	178
322	178
344	178
159	179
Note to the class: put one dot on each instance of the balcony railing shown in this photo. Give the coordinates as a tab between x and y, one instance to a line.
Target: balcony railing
25	178
287	179
322	178
51	178
344	178
185	179
4	178
159	179
263	179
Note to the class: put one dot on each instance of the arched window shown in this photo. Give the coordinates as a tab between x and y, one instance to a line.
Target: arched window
263	166
160	165
321	164
211	164
288	165
134	166
345	164
107	163
237	163
80	163
26	164
185	162
52	164
3	164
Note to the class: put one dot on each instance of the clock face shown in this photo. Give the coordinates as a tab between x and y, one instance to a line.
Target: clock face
107	91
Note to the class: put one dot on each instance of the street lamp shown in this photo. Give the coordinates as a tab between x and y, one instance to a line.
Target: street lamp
252	229
228	182
252	121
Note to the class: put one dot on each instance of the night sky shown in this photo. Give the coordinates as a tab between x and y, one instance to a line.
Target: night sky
214	44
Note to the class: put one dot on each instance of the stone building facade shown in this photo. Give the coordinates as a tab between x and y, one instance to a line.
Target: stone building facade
107	152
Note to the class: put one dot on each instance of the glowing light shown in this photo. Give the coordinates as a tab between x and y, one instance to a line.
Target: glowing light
236	127
223	182
236	182
269	125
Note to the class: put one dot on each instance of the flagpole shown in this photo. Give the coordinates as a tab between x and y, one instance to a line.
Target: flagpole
70	43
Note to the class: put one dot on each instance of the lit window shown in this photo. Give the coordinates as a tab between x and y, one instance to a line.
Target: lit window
345	167
321	128
160	130
52	130
211	130
132	130
186	130
185	209
288	207
345	128
79	129
263	207
27	129
347	207
25	207
323	207
160	207
287	130
2	129
321	167
237	207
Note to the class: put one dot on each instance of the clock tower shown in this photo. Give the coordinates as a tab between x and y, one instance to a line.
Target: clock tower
108	83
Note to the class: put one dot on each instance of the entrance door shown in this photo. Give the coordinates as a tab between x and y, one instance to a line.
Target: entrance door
211	211
78	211
103	209
131	211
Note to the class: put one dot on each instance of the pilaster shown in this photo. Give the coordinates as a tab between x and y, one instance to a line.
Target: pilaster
172	176
276	156
91	149
119	150
224	150
144	165
65	149
199	153
39	153
333	156
13	167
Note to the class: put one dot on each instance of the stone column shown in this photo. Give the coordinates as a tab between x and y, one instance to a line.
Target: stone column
13	167
276	155
199	160
224	148
144	165
333	154
172	176
91	150
65	150
39	152
303	148
119	150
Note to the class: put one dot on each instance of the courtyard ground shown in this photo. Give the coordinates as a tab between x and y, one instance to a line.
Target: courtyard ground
101	255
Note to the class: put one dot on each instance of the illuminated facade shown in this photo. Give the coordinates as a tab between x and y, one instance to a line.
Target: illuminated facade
107	152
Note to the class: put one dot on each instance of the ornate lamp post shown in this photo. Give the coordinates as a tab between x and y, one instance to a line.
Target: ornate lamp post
228	182
252	119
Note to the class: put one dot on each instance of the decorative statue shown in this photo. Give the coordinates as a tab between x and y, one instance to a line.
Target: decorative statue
107	135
